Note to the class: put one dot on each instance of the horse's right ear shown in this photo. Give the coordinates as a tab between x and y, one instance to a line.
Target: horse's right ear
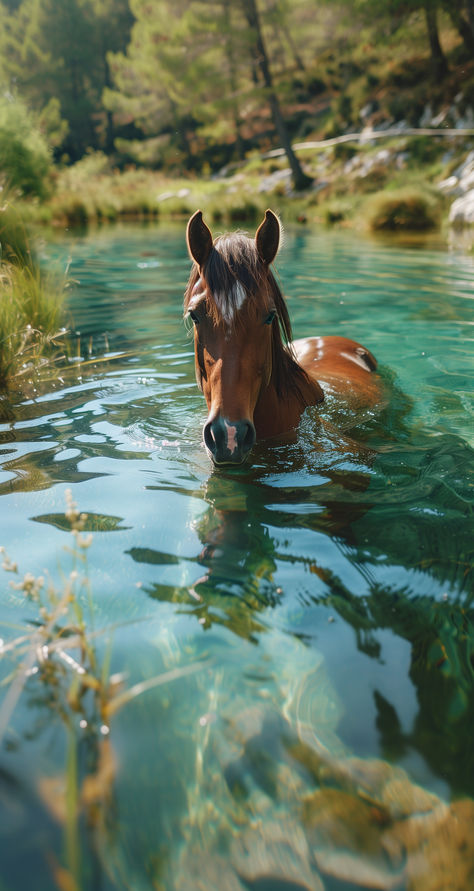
199	239
268	237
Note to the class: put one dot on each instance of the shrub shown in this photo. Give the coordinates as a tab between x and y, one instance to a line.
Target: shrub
425	150
25	158
409	209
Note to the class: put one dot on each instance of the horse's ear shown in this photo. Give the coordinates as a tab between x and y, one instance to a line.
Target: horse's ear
268	237
199	239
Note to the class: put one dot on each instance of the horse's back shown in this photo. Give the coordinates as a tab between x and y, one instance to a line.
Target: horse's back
344	366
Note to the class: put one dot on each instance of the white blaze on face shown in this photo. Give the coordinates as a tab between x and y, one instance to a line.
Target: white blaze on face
229	304
231	437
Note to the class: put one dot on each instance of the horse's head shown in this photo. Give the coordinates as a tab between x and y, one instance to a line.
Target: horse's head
233	301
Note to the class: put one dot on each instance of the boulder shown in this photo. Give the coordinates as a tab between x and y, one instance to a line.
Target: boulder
462	211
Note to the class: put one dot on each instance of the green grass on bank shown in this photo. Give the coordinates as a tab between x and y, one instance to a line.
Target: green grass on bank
349	185
30	305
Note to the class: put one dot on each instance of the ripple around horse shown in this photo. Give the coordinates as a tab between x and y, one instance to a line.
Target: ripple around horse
256	380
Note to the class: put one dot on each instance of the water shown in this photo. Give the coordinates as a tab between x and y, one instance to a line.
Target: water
316	605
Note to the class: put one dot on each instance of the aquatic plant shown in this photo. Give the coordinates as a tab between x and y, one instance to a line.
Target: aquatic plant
56	660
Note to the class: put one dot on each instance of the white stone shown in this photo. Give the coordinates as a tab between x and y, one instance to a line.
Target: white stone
449	184
467	182
426	117
466	166
462	210
439	118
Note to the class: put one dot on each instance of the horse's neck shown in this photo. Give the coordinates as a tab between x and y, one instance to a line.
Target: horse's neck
276	414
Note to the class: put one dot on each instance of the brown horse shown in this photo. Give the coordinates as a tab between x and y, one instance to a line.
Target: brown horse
255	380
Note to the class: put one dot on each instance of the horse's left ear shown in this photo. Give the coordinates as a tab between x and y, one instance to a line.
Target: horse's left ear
199	239
268	237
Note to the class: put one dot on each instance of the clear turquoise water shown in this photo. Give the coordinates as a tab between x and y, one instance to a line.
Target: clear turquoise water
313	595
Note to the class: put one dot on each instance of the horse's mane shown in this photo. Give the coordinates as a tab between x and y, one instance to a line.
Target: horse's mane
233	264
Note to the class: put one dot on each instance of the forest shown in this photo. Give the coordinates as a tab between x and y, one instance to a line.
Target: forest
188	87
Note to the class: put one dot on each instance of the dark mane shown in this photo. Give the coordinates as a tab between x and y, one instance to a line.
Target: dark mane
234	261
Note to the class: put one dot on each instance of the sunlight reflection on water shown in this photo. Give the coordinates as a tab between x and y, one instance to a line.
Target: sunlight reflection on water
324	599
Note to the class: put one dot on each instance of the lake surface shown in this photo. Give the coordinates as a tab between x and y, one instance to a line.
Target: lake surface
292	624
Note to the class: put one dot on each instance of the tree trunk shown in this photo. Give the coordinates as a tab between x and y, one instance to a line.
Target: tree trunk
300	180
296	56
464	28
438	59
233	81
470	15
109	118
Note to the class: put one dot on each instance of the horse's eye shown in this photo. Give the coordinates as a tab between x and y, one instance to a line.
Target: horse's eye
194	318
270	317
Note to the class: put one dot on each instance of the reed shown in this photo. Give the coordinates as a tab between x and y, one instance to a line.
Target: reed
31	305
56	657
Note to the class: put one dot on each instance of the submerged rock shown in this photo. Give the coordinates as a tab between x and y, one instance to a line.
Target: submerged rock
276	851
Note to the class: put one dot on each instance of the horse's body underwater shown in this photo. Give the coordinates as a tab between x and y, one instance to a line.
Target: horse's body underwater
255	380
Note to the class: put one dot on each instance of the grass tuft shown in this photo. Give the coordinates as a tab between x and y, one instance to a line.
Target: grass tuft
405	209
30	305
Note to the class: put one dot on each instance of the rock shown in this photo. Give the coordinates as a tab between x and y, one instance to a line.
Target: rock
357	871
462	211
275	851
449	184
203	873
440	118
403	798
280	178
165	196
347	840
461	186
439	848
383	156
426	117
368	110
466	166
466	122
467	182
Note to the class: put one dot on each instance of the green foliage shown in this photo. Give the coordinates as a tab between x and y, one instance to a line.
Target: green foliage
424	150
55	51
25	159
51	124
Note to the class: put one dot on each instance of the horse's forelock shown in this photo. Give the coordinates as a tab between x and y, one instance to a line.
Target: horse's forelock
234	272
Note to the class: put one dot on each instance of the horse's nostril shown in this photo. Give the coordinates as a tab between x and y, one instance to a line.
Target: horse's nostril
228	442
248	440
209	438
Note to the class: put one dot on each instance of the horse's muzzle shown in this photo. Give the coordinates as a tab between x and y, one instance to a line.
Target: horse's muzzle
229	442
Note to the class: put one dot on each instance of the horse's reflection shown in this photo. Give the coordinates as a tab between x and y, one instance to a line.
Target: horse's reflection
246	531
237	579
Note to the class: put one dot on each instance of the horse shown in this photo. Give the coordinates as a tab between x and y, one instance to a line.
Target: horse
255	379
